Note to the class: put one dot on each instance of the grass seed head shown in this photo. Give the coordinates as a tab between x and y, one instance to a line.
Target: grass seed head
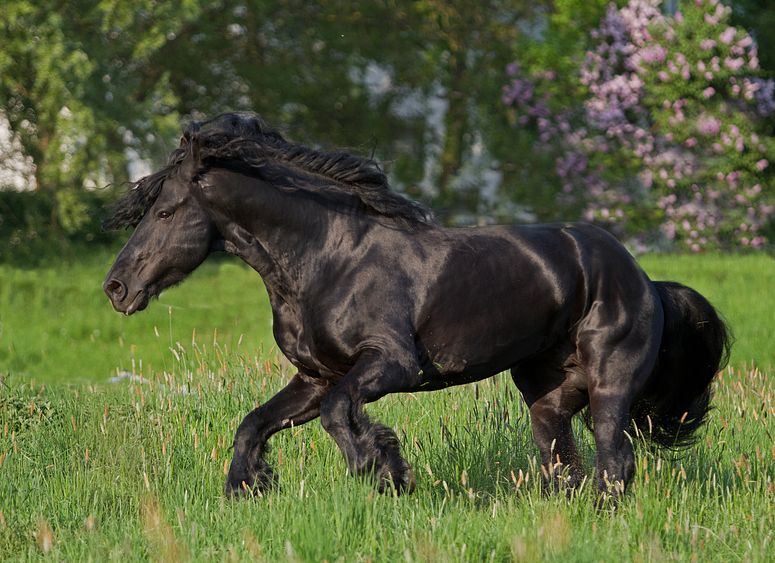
45	536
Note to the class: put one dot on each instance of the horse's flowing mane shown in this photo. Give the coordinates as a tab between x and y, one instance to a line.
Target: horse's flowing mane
244	142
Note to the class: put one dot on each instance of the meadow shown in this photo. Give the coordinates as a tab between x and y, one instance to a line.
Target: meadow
133	471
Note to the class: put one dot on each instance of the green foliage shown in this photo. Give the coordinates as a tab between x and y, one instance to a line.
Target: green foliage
44	227
93	86
757	17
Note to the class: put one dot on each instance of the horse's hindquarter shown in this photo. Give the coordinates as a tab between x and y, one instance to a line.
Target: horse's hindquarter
502	295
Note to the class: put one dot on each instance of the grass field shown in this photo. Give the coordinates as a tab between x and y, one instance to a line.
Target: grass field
91	471
56	324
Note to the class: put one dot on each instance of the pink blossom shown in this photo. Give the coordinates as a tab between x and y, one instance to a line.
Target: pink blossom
690	142
708	125
701	66
710	20
707	44
708	92
663	76
709	76
745	41
734	64
728	35
762	164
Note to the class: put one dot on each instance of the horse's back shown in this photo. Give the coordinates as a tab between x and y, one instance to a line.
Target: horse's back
508	293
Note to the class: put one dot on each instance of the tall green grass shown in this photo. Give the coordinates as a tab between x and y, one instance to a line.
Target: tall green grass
133	471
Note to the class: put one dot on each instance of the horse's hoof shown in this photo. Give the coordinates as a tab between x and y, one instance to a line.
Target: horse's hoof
237	490
404	484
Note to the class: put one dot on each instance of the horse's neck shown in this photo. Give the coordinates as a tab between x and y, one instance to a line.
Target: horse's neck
281	235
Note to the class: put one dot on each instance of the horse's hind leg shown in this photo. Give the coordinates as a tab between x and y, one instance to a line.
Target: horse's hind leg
297	403
370	447
553	399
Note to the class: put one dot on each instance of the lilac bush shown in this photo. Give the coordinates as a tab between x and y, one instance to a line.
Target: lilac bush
667	143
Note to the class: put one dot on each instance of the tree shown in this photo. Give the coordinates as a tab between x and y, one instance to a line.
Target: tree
78	91
358	70
92	86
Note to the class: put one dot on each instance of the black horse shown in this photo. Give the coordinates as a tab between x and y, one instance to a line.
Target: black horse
371	297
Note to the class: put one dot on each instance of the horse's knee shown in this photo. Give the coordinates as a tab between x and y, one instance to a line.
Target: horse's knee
335	412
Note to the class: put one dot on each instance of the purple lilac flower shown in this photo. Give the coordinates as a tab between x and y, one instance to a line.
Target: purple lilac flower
727	35
707	44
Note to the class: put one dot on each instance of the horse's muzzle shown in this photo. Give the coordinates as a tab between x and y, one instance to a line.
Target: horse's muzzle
122	302
115	290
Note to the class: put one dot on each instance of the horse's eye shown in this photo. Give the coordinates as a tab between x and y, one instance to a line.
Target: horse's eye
165	215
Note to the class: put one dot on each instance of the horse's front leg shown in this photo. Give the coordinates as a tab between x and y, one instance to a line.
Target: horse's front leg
297	403
370	447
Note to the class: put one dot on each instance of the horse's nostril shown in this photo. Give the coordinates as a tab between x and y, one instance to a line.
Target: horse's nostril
115	289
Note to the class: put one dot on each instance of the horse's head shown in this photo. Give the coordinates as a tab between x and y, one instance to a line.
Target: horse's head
171	240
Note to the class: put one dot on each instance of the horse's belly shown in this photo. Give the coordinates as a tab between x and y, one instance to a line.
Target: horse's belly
458	354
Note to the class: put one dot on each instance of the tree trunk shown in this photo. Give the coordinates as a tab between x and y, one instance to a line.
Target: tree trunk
456	126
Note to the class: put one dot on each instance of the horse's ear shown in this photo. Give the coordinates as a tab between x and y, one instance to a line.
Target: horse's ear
183	141
191	163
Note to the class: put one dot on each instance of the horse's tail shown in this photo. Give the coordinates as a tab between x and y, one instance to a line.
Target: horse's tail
695	346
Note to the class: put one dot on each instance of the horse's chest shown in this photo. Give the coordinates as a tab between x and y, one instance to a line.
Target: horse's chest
297	341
